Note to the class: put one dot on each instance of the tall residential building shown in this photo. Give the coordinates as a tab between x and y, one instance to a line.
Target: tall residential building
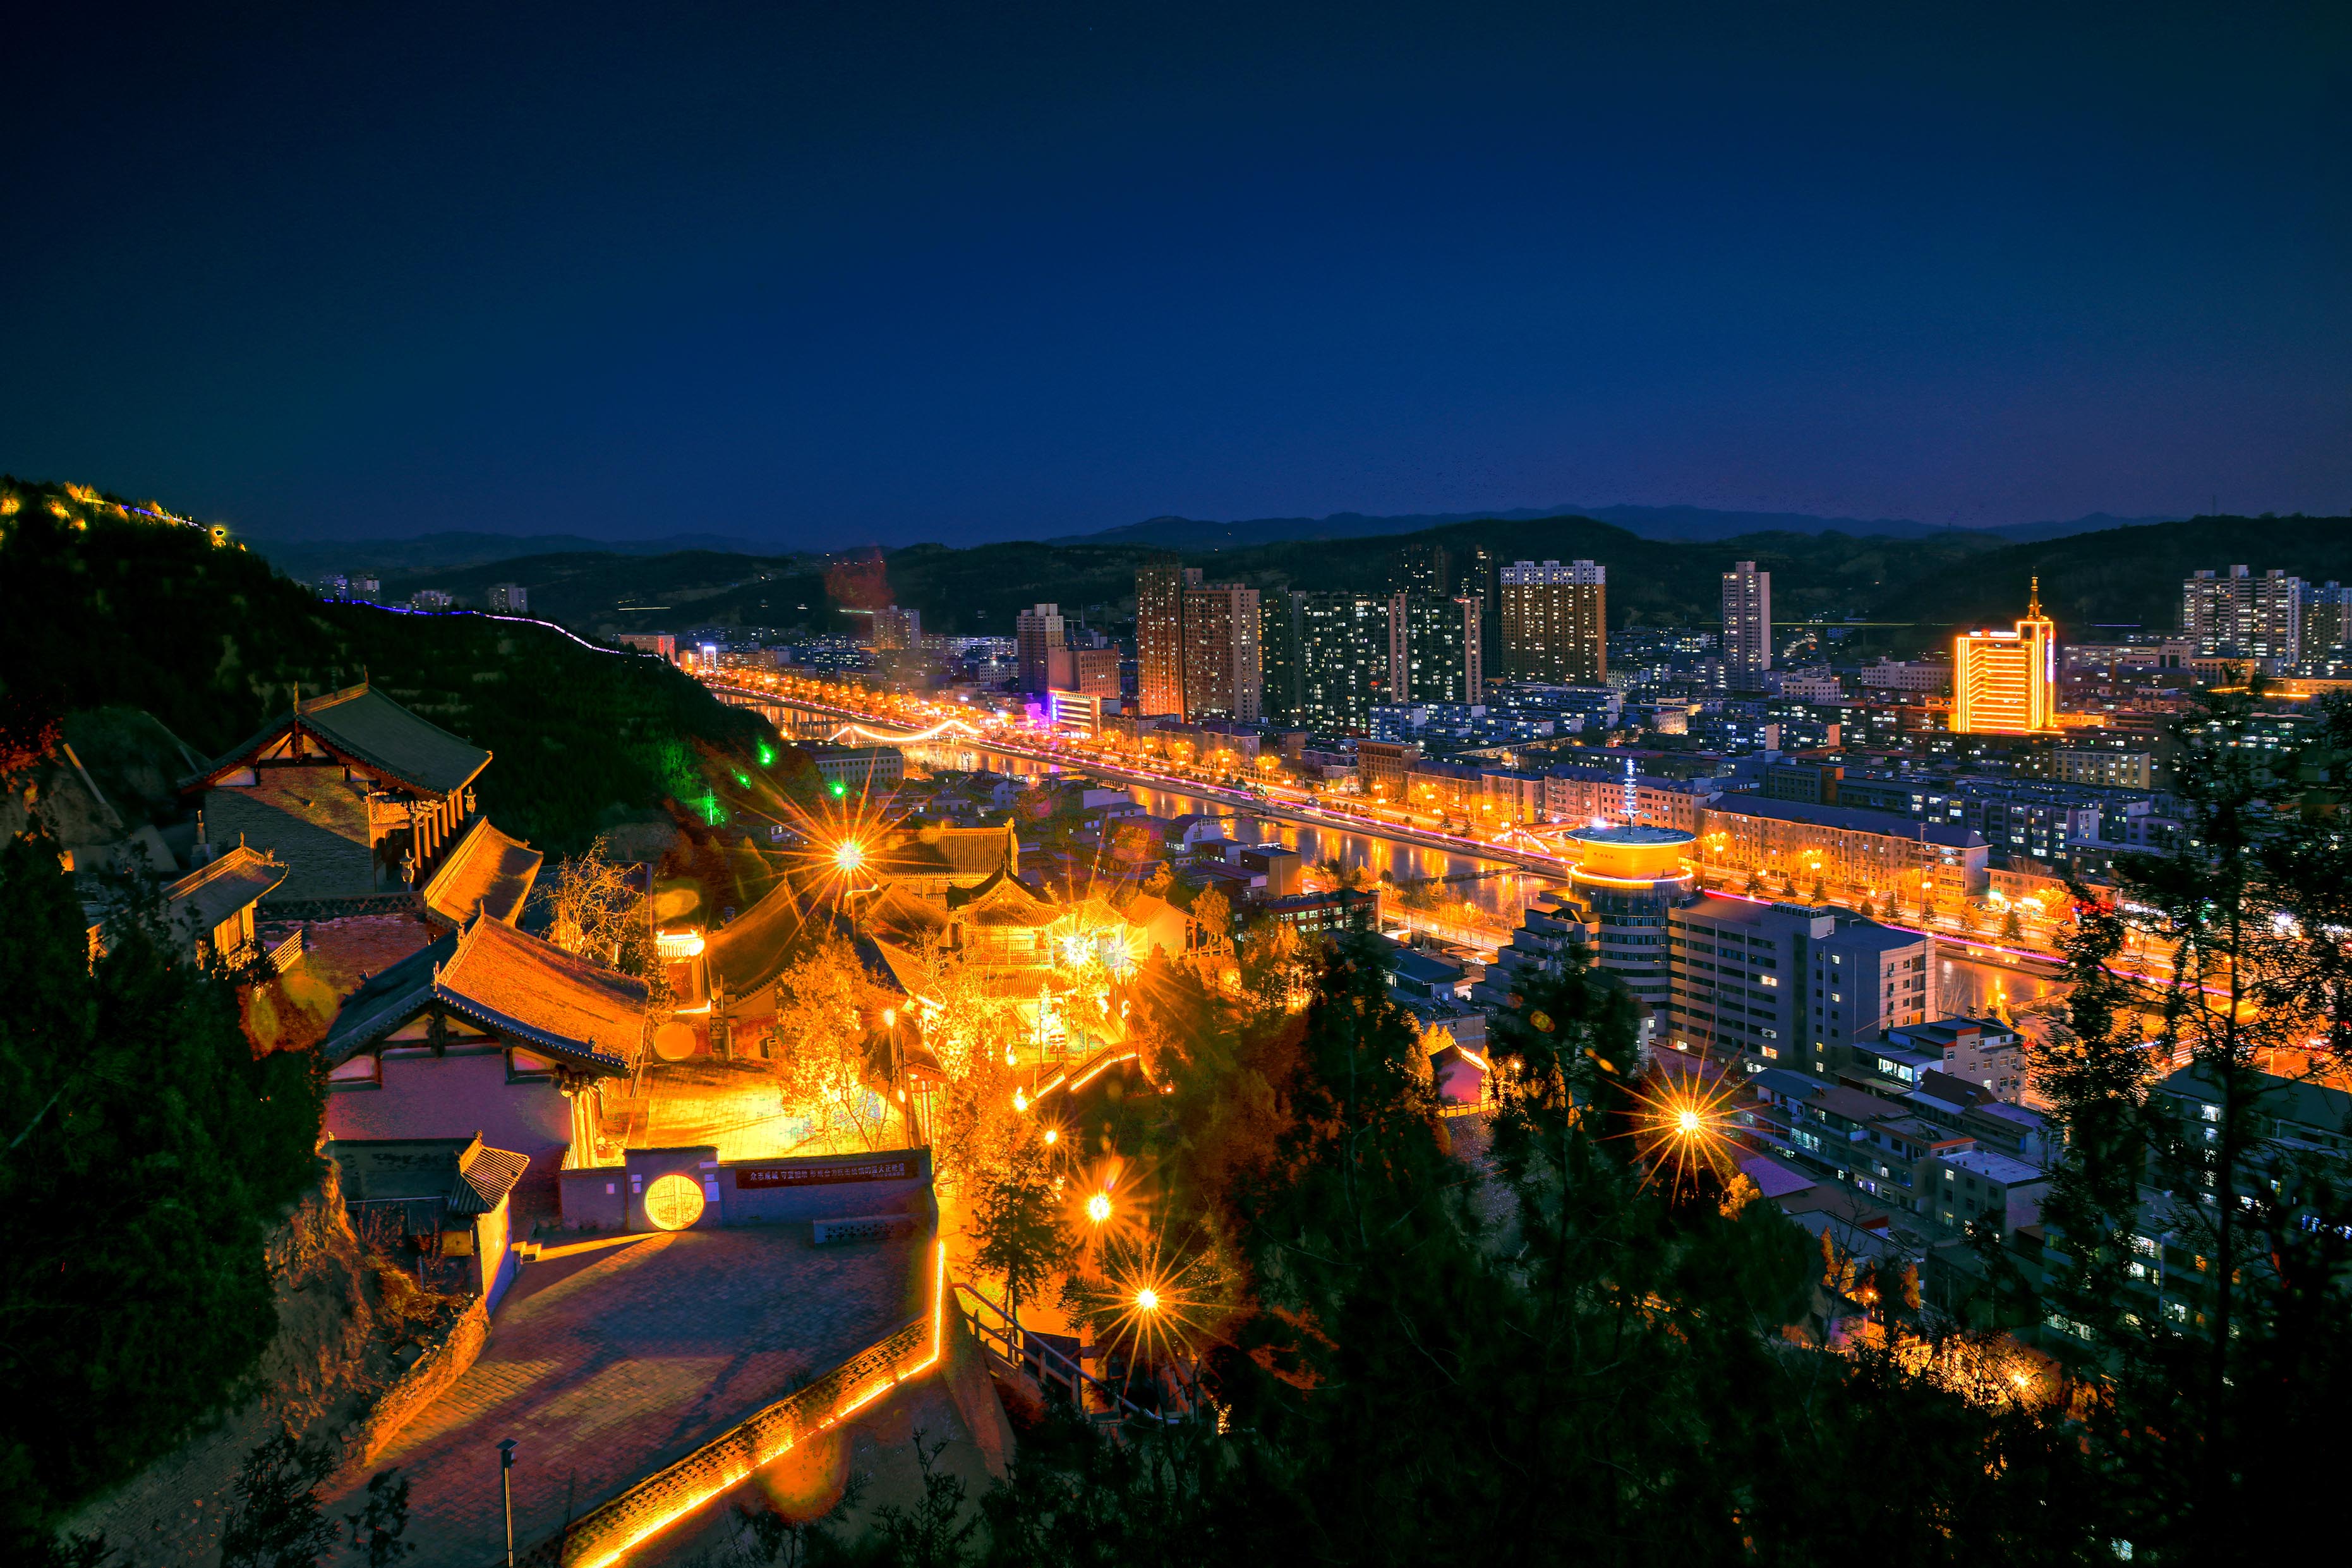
1277	657
896	627
1556	622
1421	569
2261	617
1037	633
504	598
1481	579
1746	625
1332	666
1160	587
1223	677
2327	619
2006	683
1434	649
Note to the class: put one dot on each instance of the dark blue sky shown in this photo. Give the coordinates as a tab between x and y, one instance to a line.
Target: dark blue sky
832	273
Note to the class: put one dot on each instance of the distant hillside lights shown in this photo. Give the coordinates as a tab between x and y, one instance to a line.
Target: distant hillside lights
70	503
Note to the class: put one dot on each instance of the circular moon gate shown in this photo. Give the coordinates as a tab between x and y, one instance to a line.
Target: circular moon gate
672	1202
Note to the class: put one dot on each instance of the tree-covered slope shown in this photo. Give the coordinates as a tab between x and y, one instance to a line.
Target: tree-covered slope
102	607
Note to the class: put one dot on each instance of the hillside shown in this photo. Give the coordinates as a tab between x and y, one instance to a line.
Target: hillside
981	589
101	608
2126	577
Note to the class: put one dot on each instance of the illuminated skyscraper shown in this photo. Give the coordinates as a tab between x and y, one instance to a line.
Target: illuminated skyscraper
1556	622
2006	683
1747	626
1160	633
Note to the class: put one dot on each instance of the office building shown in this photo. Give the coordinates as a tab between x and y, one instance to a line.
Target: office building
1555	622
1434	649
1381	767
2258	617
1788	984
1891	675
1037	632
2006	683
1222	676
1091	670
505	598
1747	626
1160	587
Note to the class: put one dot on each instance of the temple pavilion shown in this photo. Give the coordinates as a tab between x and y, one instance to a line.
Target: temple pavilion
357	797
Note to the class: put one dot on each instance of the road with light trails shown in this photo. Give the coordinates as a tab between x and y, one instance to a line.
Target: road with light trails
888	729
1268	804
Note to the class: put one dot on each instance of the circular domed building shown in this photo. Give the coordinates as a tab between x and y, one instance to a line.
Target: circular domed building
1625	879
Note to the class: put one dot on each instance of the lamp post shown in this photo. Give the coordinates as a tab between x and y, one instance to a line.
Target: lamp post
506	1489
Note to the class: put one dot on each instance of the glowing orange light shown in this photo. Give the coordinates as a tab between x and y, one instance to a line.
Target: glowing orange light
1098	1207
1148	1299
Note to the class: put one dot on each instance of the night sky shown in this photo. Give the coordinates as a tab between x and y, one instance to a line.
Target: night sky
824	274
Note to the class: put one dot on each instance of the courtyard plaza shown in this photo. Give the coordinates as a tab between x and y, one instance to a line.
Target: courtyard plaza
613	1356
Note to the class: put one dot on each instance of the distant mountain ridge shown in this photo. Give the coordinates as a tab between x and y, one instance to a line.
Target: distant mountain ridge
1681	524
309	559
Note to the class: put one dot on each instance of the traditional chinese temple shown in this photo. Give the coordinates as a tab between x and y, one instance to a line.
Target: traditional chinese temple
490	1031
355	795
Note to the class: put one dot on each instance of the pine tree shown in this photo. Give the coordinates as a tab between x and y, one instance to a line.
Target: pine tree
147	1155
1024	1236
2199	1275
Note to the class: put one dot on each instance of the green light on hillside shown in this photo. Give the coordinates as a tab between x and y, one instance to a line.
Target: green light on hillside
836	789
743	779
711	812
767	754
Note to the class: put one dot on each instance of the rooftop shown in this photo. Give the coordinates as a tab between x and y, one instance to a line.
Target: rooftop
486	871
212	893
518	985
369	730
1851	820
2002	1168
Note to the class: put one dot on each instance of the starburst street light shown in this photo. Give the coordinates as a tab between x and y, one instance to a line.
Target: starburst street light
1098	1207
849	855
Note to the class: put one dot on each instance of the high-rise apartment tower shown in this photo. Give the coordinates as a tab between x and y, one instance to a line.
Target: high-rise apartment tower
1160	587
1556	622
1223	672
1038	632
1747	626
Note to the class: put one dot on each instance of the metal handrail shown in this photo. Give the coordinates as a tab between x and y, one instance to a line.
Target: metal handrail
1019	1349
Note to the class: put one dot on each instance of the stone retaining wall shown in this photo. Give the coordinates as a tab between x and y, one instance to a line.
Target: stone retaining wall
421	1384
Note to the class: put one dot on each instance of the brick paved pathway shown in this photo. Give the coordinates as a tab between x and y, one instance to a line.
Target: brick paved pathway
607	1362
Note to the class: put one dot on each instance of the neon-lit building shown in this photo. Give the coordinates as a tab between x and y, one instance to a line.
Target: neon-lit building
2006	683
1627	881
